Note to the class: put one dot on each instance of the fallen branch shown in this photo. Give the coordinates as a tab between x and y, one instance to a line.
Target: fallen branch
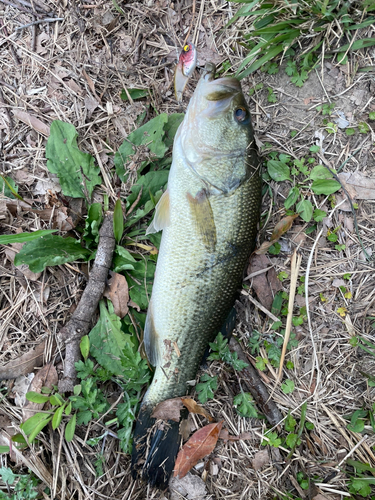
80	322
256	387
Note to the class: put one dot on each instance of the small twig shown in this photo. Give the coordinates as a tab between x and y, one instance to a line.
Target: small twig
33	36
19	7
80	322
6	109
39	21
315	362
259	306
294	269
5	31
191	24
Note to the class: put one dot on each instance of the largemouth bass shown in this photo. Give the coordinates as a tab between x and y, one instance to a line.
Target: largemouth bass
209	216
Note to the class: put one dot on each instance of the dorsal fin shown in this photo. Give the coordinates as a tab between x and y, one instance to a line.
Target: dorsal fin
162	215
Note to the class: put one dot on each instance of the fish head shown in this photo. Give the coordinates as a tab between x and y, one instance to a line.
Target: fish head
217	127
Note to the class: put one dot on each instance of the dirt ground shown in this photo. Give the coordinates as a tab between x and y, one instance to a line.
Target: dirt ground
74	70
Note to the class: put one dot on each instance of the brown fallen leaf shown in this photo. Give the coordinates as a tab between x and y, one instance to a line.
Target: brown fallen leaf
168	410
24	364
281	228
32	121
117	292
201	444
46	377
358	185
266	284
260	458
225	436
196	408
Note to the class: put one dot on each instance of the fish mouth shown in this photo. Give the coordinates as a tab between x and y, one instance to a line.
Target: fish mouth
221	88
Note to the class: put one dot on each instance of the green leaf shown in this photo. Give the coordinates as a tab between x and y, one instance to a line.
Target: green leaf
7	475
56	420
244	405
275	248
56	400
291	440
290	423
278	171
108	341
292	197
36	397
349	131
7	239
38	428
150	183
320	172
170	128
325	186
68	409
8	187
33	421
134	94
357	426
315	149
85	346
363	128
118	221
70	428
4	449
273	439
305	210
150	134
288	386
92	225
371	115
50	251
206	388
319	215
74	168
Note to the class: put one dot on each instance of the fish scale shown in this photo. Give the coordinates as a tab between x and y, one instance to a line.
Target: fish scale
209	217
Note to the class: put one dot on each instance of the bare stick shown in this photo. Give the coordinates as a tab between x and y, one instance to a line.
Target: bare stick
80	322
39	21
294	267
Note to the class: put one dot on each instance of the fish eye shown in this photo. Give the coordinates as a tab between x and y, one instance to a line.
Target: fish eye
240	114
186	48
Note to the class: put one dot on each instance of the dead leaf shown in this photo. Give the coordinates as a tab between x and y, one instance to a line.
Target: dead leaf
90	104
196	408
20	388
32	121
117	292
168	410
358	186
260	458
281	228
23	364
201	444
46	377
190	487
92	87
265	284
319	496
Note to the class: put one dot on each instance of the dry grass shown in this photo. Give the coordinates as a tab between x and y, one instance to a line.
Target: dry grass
74	71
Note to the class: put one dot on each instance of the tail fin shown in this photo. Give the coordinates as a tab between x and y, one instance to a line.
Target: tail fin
154	449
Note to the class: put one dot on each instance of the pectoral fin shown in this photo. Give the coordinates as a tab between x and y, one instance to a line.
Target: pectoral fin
151	338
204	218
162	215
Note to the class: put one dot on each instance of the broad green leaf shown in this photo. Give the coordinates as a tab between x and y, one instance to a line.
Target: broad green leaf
85	346
320	172
38	428
7	239
50	251
7	475
150	183
150	134
358	44
70	428
68	408
56	420
56	400
291	440
325	186
171	127
305	210
36	397
4	449
123	260
292	197
134	94
108	341
270	54
74	168
118	221
8	187
319	215
278	171
33	421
